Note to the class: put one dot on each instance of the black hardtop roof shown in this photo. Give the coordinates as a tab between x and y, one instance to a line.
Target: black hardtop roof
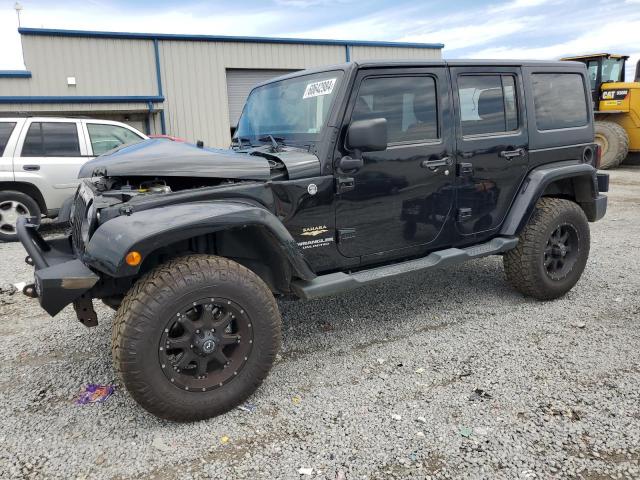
428	63
462	63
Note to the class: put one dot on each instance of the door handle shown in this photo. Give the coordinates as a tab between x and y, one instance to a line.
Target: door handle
509	154
345	184
440	162
31	168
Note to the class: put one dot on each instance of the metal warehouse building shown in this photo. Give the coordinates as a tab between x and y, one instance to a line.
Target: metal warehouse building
190	86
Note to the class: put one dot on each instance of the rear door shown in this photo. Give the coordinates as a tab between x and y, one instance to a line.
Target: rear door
401	197
492	146
49	155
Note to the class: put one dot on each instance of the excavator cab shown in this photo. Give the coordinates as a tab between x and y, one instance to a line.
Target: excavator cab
616	105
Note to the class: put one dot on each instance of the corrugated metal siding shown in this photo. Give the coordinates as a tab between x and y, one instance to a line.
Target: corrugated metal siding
239	84
101	67
393	53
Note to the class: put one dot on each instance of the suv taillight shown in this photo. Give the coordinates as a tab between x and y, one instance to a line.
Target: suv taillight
598	157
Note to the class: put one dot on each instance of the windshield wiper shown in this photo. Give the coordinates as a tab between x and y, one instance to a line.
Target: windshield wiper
239	141
274	141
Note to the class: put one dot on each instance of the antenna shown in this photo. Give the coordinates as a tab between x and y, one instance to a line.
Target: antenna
18	8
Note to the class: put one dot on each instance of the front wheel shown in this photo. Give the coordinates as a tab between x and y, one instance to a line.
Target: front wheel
552	250
14	205
195	337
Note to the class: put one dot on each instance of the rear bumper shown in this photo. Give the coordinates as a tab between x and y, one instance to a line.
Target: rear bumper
596	209
600	207
60	277
603	182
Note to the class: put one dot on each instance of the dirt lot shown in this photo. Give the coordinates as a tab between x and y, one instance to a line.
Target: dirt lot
446	374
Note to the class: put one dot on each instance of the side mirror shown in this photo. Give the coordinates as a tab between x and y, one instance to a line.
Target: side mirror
368	135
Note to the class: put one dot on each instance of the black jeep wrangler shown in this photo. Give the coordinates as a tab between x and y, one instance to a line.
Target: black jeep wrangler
336	178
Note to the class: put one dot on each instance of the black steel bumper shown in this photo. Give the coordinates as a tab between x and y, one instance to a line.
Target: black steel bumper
60	277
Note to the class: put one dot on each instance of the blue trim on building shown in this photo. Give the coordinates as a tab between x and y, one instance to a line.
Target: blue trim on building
15	74
81	99
347	53
219	38
156	51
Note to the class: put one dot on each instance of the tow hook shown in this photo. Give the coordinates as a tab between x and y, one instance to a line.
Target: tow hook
30	290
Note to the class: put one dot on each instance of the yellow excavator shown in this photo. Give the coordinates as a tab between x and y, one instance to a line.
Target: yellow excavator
616	106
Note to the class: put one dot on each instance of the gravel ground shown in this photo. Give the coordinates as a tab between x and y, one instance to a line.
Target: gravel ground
446	374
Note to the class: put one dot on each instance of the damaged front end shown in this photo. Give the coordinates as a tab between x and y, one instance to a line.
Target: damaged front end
150	195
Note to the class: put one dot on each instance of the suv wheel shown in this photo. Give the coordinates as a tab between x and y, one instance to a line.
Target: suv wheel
195	337
12	206
613	141
552	250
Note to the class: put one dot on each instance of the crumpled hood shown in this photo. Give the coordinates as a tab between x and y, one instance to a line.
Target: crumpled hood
165	158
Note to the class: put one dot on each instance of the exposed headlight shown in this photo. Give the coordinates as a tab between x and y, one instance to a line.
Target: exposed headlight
87	223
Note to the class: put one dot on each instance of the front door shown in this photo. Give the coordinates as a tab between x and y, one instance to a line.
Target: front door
401	197
50	158
492	146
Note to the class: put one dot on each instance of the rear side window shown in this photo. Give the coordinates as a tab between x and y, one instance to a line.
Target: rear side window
488	104
559	100
105	137
408	104
5	132
51	139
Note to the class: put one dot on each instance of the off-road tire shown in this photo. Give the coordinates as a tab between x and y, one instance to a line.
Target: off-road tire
139	324
617	143
25	202
524	265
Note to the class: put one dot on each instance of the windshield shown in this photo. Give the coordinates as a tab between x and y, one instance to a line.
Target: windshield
294	109
612	69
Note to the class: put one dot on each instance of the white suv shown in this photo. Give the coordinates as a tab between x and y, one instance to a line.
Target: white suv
40	158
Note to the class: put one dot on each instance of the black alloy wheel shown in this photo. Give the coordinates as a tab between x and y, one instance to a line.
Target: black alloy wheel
205	344
561	251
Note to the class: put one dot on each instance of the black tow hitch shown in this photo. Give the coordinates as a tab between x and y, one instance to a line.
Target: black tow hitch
30	290
85	312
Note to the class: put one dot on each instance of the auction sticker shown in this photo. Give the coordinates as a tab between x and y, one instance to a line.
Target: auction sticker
317	89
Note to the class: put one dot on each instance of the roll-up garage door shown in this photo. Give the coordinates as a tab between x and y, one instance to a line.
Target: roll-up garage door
239	84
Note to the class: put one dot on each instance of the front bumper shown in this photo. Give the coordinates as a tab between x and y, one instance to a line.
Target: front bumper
60	277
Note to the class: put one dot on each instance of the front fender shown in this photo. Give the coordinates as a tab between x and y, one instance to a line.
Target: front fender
534	186
148	230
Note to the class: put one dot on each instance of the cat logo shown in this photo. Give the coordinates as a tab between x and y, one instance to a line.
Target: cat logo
313	231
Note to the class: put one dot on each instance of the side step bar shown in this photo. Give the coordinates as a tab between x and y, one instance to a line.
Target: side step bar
333	283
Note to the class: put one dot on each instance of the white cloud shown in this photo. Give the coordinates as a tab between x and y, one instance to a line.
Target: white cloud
611	37
456	37
517	5
494	31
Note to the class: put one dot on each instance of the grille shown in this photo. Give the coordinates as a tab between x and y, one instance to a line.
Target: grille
79	213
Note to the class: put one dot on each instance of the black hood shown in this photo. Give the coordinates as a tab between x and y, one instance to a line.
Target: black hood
165	158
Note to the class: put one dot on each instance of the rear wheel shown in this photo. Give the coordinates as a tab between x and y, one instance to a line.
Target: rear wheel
195	337
613	141
14	205
552	250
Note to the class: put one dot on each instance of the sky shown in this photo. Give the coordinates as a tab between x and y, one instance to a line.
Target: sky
536	29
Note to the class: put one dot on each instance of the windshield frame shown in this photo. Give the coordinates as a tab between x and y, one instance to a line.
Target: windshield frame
289	138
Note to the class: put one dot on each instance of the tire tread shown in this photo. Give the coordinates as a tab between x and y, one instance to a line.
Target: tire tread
136	317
